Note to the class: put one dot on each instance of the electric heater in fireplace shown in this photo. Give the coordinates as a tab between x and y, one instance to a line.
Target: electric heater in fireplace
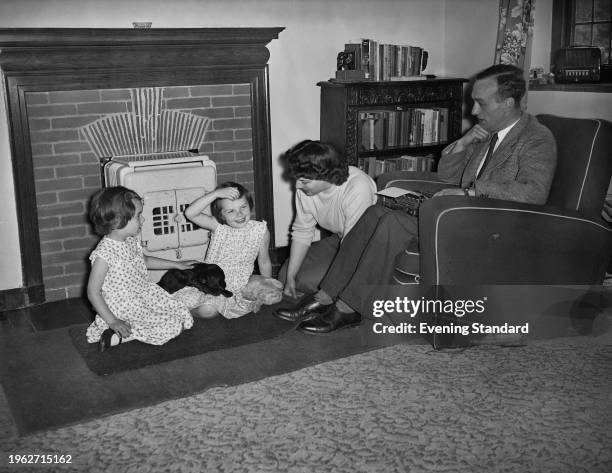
168	183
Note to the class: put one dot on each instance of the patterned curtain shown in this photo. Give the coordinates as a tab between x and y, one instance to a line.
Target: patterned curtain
514	32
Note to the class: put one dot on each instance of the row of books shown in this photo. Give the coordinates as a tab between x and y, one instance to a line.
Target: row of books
381	129
385	61
374	166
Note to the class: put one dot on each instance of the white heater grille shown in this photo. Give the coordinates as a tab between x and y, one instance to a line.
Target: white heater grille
167	187
162	220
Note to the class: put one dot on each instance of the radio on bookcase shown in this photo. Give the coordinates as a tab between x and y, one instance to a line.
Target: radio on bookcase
578	64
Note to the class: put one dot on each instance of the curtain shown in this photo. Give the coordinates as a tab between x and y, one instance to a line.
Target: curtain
514	32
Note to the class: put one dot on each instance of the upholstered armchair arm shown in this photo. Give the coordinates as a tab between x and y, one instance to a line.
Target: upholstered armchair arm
467	240
416	181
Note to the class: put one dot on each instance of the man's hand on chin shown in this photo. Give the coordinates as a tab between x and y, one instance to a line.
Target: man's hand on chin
475	134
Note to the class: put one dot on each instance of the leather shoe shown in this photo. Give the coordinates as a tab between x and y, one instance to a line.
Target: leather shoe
105	339
308	309
330	321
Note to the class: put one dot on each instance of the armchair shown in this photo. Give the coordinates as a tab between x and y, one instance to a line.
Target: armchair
469	241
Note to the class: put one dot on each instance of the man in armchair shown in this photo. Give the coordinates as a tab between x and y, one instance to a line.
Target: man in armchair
507	155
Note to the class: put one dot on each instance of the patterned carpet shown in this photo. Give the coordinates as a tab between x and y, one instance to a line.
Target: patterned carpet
544	407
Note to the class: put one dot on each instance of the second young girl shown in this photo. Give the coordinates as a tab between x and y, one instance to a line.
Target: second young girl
236	242
129	306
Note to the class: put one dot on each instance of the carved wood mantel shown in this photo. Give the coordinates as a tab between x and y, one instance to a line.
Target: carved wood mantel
37	60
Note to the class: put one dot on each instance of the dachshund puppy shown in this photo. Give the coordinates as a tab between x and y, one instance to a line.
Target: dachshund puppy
207	278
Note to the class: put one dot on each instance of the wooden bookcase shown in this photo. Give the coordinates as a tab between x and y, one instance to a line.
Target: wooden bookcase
348	110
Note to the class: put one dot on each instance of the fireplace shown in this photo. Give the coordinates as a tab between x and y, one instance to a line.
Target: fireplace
68	88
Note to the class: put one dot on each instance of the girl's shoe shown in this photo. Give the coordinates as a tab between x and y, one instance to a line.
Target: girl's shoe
105	339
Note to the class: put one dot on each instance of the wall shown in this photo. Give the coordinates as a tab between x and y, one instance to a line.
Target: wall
540	51
304	54
470	34
571	104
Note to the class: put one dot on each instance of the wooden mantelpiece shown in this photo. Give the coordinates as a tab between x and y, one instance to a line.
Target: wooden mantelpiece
40	60
30	50
52	37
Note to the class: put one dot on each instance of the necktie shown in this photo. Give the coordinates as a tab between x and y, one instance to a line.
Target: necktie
489	154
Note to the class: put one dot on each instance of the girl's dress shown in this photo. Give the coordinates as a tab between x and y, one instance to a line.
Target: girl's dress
235	251
154	315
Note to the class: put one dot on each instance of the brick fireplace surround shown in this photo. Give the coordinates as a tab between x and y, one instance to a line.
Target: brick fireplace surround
58	81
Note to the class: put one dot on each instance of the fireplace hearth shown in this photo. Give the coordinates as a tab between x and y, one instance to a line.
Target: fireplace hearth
66	88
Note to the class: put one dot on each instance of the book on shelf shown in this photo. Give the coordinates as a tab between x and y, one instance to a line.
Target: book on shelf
350	75
384	61
443	125
369	54
382	129
374	166
371	130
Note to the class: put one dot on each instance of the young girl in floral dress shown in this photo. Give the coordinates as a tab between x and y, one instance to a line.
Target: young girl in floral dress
129	306
236	241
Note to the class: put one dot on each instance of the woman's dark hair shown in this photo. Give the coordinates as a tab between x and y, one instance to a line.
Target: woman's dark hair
216	208
315	160
112	208
510	81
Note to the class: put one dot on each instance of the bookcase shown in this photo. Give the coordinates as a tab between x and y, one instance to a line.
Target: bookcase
371	121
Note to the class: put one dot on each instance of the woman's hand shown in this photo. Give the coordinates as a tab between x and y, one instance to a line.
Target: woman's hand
187	264
121	327
290	289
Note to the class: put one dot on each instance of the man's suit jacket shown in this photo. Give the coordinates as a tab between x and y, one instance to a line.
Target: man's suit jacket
521	168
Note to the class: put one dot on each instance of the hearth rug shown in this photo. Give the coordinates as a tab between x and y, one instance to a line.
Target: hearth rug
204	336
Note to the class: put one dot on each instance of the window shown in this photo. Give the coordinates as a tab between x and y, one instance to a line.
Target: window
591	25
582	23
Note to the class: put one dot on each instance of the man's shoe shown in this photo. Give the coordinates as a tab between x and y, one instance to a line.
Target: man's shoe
308	309
330	321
